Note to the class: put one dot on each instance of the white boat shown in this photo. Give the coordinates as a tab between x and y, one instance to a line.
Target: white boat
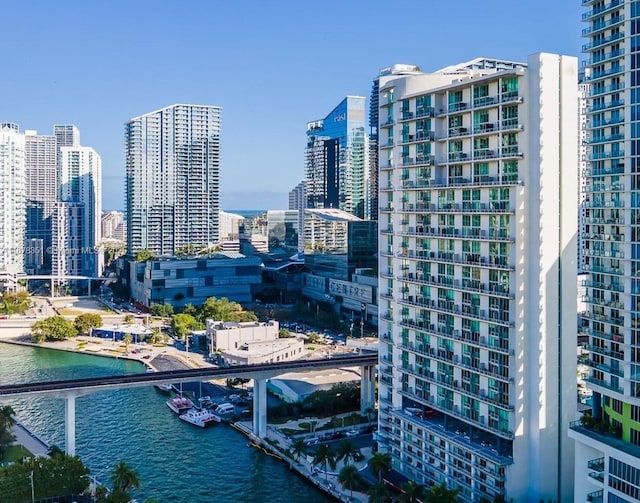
180	404
166	388
201	418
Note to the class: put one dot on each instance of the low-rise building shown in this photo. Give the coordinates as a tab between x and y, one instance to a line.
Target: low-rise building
182	281
296	386
228	335
269	351
118	332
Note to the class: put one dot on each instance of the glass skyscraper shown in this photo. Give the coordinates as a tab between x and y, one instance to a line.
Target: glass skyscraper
337	161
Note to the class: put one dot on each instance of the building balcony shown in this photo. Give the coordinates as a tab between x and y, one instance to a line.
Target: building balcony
511	124
606	123
605	368
614	70
486	127
457	107
618	170
458	156
606	352
615	287
597	476
602	41
424	160
458	131
606	139
597	90
456	258
602	25
618	271
454	411
484	153
603	187
596	464
407	115
577	430
602	58
484	101
605	106
387	123
604	384
603	204
511	97
511	151
596	496
424	112
601	9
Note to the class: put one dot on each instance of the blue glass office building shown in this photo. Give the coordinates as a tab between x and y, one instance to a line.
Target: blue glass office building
337	159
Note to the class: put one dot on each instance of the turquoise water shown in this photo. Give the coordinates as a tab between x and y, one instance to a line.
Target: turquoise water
176	461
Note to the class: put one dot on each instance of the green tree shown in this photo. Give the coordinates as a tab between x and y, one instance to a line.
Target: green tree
128	319
127	341
7	417
324	456
379	464
314	338
284	333
224	310
162	310
124	478
182	324
86	322
379	493
53	328
156	336
412	492
144	255
350	478
346	451
441	494
190	309
298	448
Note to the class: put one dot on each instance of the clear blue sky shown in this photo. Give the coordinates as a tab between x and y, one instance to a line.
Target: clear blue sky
272	66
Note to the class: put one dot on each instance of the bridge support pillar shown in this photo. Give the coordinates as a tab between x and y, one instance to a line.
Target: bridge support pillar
70	424
260	408
367	389
89	286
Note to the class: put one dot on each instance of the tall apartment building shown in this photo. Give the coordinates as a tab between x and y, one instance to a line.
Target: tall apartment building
67	135
41	193
113	225
607	460
337	159
173	179
12	204
80	197
477	285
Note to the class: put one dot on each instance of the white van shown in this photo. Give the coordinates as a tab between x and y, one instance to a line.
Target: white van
225	408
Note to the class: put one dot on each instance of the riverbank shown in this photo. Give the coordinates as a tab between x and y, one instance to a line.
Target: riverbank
277	445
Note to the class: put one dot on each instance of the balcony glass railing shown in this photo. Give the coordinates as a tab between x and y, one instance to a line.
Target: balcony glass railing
602	41
602	25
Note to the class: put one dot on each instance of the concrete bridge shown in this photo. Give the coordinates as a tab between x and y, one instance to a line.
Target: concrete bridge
261	373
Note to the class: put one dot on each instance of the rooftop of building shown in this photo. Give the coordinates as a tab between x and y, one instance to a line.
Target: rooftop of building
332	214
306	382
175	105
227	325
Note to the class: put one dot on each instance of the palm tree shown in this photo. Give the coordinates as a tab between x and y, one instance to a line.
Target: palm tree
7	420
379	464
349	478
378	493
324	456
411	492
346	451
124	478
441	494
127	340
298	447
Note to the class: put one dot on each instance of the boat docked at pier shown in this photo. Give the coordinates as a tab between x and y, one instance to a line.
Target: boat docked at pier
165	388
180	404
201	418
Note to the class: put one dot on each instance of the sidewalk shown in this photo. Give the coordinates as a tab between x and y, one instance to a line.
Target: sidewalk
31	442
327	482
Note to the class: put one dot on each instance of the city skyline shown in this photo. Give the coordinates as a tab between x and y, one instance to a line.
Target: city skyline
243	50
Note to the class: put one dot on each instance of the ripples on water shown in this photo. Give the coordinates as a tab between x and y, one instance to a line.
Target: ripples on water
176	461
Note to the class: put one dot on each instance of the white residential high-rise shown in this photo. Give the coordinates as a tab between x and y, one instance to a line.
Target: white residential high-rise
12	204
173	179
113	225
477	287
607	451
80	171
41	193
67	135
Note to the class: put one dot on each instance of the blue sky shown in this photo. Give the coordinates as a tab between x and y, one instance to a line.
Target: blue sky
272	65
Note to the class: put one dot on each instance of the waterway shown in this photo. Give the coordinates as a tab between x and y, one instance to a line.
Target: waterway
176	461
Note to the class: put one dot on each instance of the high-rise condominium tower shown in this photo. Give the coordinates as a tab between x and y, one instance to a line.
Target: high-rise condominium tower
41	193
337	159
12	204
173	179
478	276
607	462
77	229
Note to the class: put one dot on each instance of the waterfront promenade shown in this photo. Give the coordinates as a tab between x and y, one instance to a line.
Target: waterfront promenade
34	444
326	482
